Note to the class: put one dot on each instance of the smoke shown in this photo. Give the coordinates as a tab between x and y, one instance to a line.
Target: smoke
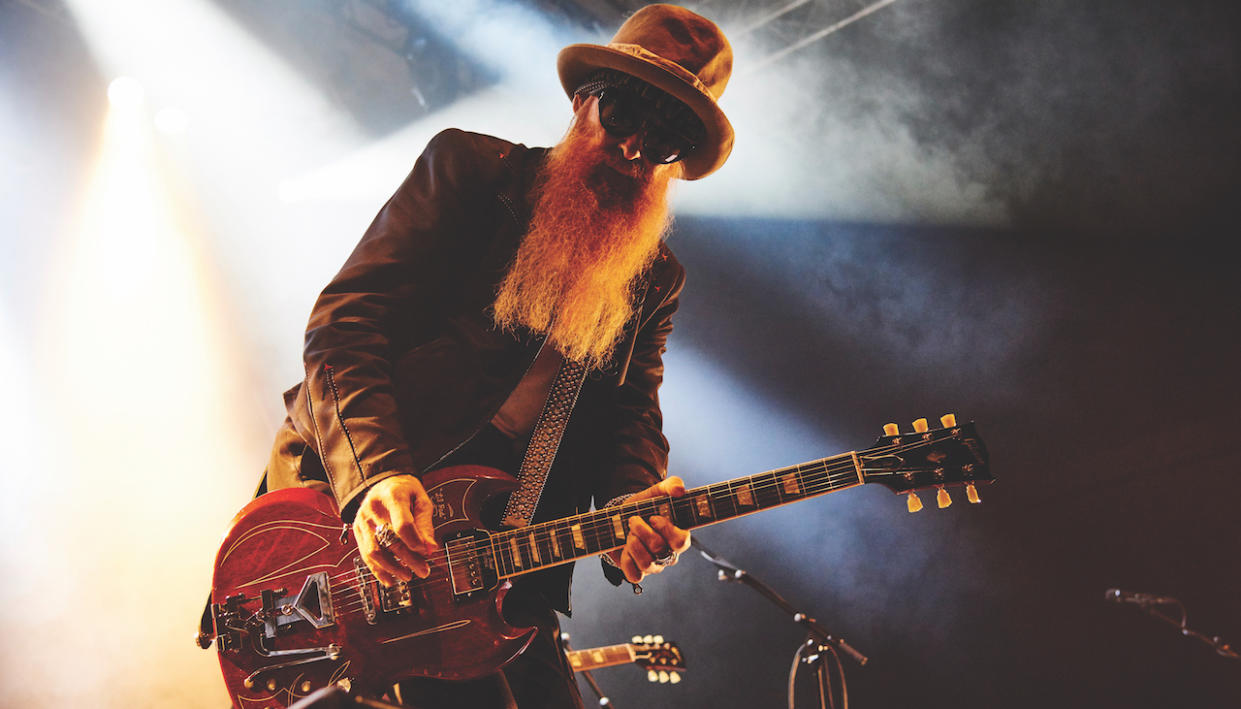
982	114
1110	117
515	41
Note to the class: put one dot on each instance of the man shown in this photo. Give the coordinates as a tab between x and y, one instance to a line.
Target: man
491	267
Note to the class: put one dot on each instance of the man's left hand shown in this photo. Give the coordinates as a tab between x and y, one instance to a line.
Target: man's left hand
651	545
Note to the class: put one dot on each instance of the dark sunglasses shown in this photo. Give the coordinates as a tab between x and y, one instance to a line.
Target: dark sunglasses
622	113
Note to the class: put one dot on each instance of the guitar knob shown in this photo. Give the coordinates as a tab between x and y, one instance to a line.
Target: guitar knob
652	676
891	429
942	498
948	420
658	640
913	502
648	639
971	494
920	426
674	677
637	640
663	677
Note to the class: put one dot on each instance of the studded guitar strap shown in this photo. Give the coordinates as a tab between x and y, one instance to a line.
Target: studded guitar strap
544	442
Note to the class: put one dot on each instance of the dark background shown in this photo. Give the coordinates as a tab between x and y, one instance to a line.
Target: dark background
1088	322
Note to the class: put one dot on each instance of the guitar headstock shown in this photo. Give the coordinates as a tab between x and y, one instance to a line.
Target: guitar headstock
661	659
952	454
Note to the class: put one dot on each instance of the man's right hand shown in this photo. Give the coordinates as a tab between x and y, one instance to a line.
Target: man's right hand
400	502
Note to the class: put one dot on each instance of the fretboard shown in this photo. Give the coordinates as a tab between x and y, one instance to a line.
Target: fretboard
597	657
538	546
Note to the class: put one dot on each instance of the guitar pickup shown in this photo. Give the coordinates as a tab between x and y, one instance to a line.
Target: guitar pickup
466	568
395	598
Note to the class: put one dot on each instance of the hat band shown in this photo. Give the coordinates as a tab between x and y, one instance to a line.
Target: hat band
666	64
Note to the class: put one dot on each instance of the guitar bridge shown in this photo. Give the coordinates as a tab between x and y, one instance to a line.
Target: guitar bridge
377	598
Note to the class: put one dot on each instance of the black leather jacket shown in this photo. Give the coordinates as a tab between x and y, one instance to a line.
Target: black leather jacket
403	364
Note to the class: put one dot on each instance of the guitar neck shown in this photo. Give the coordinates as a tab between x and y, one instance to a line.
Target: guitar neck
594	658
538	546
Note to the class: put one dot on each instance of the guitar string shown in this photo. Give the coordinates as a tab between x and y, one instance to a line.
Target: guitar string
845	462
598	534
355	584
355	604
603	529
600	529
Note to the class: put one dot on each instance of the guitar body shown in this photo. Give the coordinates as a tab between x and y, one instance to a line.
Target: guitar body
296	610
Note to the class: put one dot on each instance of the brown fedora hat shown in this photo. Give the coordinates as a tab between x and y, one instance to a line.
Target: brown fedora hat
677	51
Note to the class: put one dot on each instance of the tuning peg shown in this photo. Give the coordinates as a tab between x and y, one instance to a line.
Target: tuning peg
971	494
658	640
920	426
891	429
647	639
913	502
663	677
942	498
674	677
637	640
948	420
652	676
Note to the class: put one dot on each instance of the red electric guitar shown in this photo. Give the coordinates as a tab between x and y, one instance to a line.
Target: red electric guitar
294	608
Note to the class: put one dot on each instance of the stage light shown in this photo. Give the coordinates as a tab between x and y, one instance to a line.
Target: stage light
255	121
126	92
171	121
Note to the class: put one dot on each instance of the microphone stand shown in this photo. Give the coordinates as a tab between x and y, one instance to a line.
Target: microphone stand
604	701
1150	604
819	641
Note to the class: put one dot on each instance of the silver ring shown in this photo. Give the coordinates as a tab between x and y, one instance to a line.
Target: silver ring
668	559
384	536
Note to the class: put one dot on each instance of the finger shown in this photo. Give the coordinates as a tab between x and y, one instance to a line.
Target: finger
381	563
395	559
673	486
641	556
411	560
632	573
670	487
407	509
387	569
651	540
423	522
676	538
383	577
405	524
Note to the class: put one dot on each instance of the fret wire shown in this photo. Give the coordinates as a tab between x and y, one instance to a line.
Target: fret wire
597	526
600	521
827	475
